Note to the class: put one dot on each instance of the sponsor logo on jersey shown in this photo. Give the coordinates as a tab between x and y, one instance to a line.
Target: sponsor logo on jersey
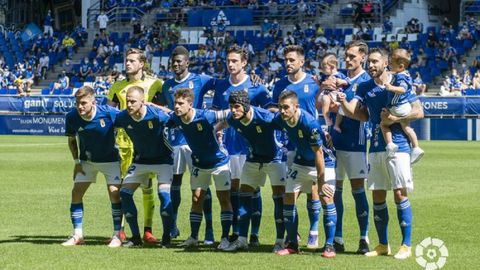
102	123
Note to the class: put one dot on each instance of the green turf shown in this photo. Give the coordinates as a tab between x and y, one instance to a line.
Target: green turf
36	173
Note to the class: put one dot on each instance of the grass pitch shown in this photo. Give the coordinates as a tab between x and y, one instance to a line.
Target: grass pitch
36	173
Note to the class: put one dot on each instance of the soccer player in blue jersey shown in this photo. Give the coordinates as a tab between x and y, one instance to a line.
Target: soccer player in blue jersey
314	165
145	126
237	59
208	159
307	92
264	158
350	146
93	126
400	89
200	84
386	173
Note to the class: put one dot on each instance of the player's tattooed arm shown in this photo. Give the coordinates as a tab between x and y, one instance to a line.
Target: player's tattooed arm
73	146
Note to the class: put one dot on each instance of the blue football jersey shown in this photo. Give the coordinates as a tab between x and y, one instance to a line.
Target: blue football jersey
260	135
200	84
96	137
259	97
307	90
207	153
304	135
353	135
376	98
404	80
148	135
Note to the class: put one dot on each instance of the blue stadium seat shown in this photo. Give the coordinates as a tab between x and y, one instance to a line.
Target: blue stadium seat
57	92
90	79
45	91
77	84
3	91
12	91
67	91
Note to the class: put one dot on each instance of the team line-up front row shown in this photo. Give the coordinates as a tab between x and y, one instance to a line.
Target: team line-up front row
315	168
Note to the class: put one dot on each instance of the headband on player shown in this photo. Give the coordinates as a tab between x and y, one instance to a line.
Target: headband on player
240	97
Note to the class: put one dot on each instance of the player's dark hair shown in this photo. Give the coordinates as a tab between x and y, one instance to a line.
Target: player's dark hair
180	50
240	97
288	94
84	91
362	46
238	50
381	51
141	55
294	48
185	93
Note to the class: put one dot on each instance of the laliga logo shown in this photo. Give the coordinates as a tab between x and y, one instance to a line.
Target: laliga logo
431	253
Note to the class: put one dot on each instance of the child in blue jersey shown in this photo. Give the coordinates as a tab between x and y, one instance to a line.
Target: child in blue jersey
314	165
329	96
146	126
208	159
93	126
400	88
264	158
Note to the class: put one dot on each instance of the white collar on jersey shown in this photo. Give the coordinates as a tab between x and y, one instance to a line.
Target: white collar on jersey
184	79
93	115
193	117
299	80
250	121
389	78
356	76
143	115
235	85
299	115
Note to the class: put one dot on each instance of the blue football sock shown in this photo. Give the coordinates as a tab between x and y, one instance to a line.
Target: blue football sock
130	210
226	218
289	215
234	201
175	195
117	216
278	215
244	212
329	222
361	209
166	211
207	211
313	208
380	213
76	215
404	213
256	211
195	222
338	200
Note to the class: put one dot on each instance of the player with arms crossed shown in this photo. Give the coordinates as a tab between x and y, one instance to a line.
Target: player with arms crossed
314	164
264	158
93	125
386	174
208	160
237	59
136	76
152	154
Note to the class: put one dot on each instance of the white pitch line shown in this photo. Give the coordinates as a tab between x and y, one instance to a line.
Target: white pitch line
31	144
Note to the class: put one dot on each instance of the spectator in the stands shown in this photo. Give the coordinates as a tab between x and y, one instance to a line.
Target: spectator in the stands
48	24
67	67
272	7
432	39
387	25
418	85
62	83
29	78
476	80
43	65
467	80
68	44
85	69
102	21
357	15
275	65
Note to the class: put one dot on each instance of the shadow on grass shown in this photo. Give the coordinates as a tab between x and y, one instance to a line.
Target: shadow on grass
52	239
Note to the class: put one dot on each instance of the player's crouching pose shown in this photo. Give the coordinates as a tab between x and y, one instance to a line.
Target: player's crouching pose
265	158
208	161
145	125
93	125
314	164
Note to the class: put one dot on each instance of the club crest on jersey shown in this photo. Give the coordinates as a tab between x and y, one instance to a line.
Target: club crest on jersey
305	88
199	127
102	123
259	129
150	125
80	129
354	87
239	130
300	133
190	84
129	127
